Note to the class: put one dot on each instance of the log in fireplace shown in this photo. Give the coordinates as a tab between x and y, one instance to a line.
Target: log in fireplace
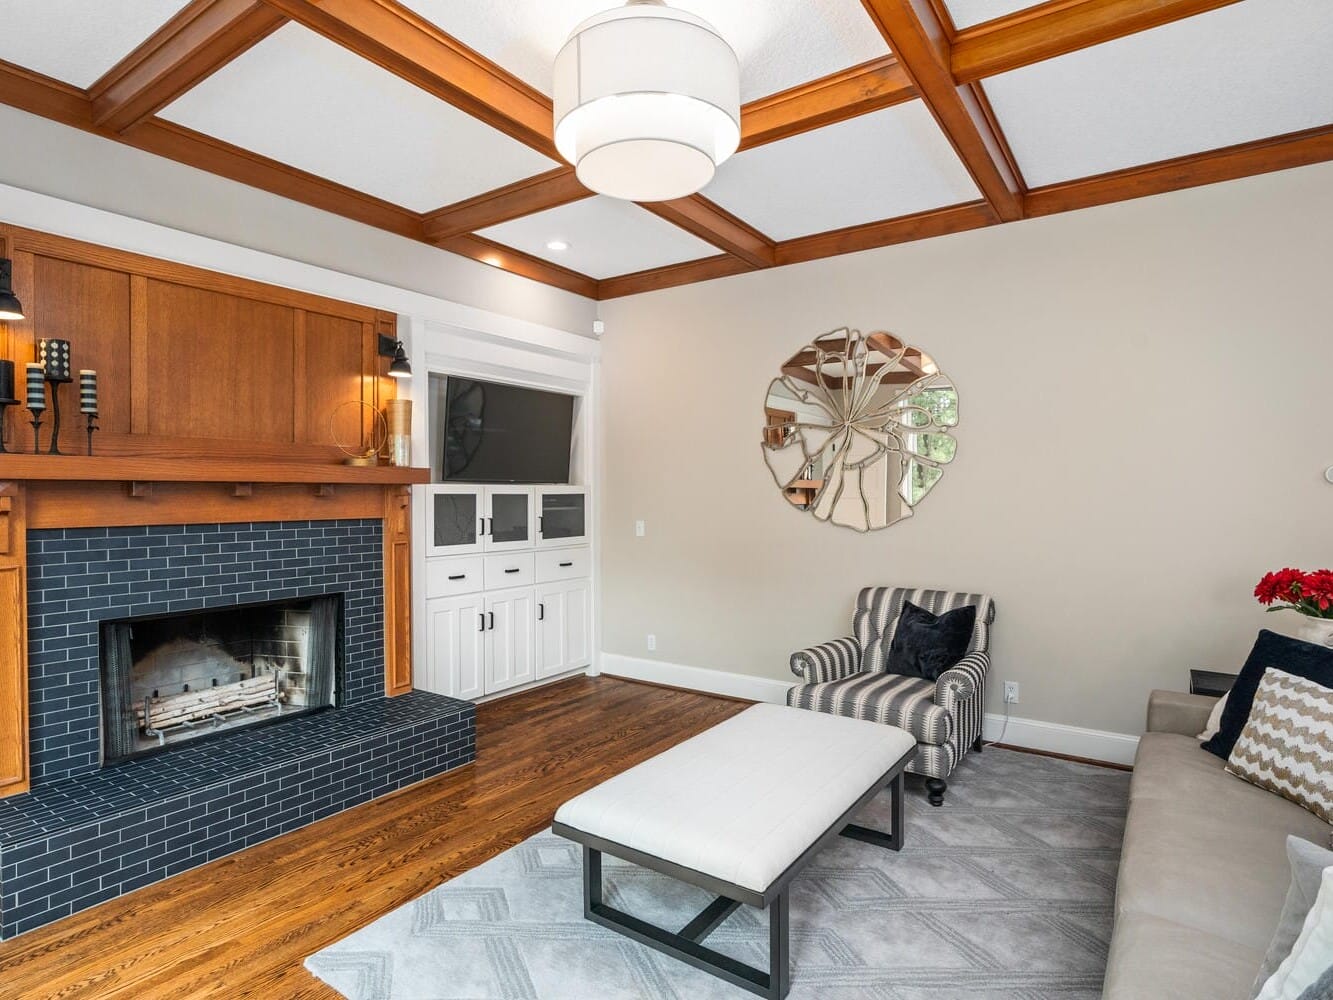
174	678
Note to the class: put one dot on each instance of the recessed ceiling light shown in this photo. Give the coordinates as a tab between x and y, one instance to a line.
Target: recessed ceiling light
557	245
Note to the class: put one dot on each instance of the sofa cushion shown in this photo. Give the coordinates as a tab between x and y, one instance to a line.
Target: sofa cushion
905	702
1205	850
1157	959
926	644
1304	659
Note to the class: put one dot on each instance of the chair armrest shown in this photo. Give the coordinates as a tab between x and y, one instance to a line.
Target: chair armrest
962	681
828	661
1177	712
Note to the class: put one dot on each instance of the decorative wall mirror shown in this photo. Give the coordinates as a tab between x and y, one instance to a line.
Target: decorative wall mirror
857	429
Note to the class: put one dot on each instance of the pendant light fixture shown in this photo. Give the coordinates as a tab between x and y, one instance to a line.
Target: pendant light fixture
10	306
647	102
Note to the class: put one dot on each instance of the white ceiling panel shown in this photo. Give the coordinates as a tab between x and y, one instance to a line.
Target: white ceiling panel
304	101
1244	72
878	166
966	13
76	40
605	238
781	43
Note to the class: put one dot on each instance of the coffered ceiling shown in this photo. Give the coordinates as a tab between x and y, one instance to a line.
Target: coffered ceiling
866	123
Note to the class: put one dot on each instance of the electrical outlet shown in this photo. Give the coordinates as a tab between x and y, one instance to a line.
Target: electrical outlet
1011	692
639	529
652	642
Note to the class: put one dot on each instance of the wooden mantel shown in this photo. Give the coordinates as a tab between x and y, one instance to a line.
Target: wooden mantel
222	400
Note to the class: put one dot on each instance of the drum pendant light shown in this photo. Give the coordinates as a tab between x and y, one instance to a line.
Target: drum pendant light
647	102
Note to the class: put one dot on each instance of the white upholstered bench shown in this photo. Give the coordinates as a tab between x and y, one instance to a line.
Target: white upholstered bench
738	810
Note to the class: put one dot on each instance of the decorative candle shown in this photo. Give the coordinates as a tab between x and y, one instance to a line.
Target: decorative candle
36	387
54	355
88	391
6	381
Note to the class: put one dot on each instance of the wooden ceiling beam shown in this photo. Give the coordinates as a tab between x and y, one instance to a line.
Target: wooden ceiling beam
407	45
905	229
872	86
715	225
517	262
920	40
532	194
1058	27
657	278
198	41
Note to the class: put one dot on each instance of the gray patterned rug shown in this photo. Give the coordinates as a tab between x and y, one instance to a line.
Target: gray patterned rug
1004	892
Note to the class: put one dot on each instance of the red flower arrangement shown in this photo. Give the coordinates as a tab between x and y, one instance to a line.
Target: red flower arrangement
1309	594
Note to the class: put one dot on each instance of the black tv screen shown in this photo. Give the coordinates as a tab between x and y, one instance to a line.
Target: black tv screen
496	433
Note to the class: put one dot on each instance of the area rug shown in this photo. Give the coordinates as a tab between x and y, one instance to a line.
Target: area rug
1004	892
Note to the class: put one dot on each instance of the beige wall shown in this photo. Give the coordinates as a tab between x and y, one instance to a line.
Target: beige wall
52	159
1145	400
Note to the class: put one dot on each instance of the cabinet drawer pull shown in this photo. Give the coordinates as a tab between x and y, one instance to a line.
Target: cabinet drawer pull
541	612
516	569
566	565
458	576
481	622
491	616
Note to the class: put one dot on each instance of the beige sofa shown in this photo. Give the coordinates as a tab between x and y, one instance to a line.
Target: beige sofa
1204	870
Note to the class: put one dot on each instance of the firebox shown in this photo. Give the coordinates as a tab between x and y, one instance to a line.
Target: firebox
170	679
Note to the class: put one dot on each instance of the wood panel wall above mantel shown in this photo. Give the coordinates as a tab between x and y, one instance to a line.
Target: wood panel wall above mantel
191	362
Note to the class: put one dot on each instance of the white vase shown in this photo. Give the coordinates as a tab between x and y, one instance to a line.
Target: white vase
1316	630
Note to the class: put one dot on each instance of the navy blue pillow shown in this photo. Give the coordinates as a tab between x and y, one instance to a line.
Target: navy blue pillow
926	645
1303	659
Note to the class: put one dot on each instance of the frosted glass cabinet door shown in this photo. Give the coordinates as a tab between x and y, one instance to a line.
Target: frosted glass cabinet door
562	516
508	518
454	520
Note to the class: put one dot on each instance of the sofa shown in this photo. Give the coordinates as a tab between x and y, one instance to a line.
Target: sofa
1204	870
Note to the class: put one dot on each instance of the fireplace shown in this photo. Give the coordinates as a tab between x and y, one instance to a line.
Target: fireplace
170	679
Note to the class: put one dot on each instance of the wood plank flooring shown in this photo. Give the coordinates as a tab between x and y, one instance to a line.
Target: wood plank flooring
242	926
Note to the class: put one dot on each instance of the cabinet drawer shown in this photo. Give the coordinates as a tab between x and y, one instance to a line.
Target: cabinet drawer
563	564
509	570
446	577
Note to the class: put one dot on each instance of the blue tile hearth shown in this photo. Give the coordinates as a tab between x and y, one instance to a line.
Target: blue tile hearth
71	844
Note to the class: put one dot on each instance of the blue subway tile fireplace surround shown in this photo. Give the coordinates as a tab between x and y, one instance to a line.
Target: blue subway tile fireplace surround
86	833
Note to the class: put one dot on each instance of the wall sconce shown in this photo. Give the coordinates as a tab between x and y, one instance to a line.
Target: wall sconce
10	306
399	367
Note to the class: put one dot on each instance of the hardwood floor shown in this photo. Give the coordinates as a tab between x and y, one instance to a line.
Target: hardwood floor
242	926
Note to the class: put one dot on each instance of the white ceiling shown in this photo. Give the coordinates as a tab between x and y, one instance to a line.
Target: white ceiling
781	43
77	40
304	101
606	237
879	166
1243	72
966	13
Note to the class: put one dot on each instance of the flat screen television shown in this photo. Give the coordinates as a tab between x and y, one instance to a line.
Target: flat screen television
496	433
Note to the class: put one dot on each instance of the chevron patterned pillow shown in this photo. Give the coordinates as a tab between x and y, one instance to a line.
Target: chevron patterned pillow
1286	746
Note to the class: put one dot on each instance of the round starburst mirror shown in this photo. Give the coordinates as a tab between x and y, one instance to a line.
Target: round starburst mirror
858	428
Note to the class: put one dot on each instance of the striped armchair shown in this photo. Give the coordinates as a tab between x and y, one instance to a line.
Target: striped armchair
849	677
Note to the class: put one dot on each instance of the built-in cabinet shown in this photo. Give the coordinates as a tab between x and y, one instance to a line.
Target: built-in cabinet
508	587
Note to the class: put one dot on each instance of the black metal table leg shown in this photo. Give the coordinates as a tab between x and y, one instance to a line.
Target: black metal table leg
893	840
592	880
779	946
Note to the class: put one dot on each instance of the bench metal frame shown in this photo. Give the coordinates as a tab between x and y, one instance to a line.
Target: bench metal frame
687	943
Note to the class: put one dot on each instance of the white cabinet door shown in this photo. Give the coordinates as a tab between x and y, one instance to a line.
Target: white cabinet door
564	627
455	647
510	617
509	518
454	519
562	516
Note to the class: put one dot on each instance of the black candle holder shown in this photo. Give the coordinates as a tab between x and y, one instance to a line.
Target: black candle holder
5	404
55	382
92	426
36	422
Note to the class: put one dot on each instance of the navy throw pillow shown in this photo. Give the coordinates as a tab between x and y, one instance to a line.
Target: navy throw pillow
926	644
1303	659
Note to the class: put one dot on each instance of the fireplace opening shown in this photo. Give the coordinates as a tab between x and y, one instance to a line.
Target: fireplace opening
176	678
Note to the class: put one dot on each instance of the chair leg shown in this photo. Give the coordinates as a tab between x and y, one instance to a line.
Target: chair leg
935	790
978	744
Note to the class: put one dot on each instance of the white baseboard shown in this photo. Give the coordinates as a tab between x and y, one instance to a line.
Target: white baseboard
1032	734
1054	737
695	678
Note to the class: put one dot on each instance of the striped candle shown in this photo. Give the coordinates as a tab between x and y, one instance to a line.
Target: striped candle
36	387
88	391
